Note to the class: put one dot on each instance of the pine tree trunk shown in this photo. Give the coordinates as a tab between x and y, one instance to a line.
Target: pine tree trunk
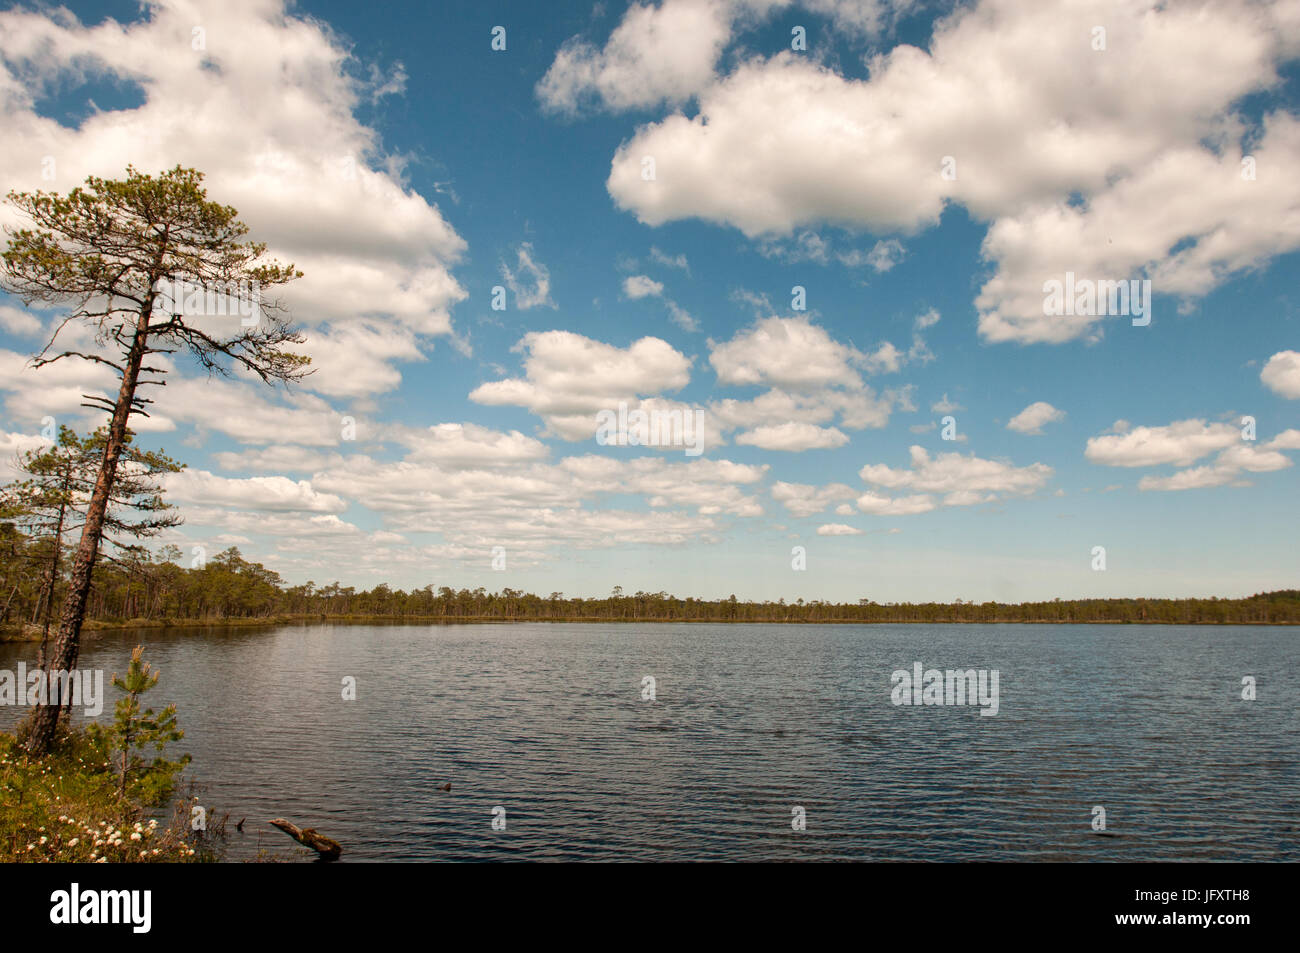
67	645
54	573
4	613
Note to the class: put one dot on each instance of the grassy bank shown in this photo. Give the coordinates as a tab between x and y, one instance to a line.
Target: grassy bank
65	808
100	791
31	633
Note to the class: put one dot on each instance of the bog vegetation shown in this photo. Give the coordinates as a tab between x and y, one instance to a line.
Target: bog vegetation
99	794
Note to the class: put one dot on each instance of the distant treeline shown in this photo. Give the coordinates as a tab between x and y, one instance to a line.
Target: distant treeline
228	587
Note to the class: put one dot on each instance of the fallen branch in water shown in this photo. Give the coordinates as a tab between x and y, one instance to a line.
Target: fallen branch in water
328	849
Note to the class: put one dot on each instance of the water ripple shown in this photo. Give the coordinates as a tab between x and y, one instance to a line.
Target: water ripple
749	722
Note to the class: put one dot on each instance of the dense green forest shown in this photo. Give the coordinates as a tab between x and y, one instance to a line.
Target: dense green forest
230	588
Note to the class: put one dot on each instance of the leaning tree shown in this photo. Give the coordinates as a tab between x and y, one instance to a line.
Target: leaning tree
150	266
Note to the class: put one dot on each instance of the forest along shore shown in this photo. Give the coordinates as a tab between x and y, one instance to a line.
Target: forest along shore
1265	609
229	590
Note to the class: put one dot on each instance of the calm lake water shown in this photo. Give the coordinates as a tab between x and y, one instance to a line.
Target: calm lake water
749	722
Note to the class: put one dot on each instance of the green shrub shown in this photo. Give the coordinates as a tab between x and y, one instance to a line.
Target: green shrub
134	730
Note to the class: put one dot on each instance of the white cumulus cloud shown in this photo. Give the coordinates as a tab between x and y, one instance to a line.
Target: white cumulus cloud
1033	418
1281	374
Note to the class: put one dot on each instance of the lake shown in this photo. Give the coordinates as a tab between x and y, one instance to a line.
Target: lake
748	723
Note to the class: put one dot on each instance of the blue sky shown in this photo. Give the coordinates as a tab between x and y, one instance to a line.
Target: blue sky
410	169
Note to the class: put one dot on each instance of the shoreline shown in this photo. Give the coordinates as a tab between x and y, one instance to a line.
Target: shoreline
92	627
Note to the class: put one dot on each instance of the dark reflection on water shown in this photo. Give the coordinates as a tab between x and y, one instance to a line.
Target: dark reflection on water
750	721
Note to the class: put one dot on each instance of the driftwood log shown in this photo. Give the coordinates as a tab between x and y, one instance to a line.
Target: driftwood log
328	849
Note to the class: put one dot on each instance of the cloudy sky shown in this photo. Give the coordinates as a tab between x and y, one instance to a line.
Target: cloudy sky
825	226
